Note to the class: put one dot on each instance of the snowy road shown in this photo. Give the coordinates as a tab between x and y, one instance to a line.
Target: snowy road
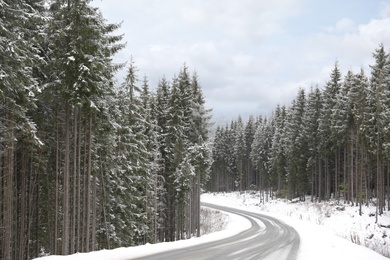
268	238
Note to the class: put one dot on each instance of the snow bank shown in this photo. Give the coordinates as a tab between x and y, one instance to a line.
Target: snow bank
322	228
235	225
325	231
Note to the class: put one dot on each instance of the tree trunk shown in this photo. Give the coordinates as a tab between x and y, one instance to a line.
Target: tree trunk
79	220
103	205
319	181
361	181
94	208
336	174
32	190
23	203
88	189
351	174
7	200
198	206
345	173
65	225
388	190
377	185
75	187
56	206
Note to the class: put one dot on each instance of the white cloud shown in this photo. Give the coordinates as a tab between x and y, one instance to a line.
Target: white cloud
342	26
345	25
259	19
242	60
350	48
376	31
249	54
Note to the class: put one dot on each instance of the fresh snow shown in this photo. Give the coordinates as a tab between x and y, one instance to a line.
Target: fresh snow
235	225
324	231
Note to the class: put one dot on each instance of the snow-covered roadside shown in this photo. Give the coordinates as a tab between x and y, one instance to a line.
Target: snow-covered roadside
318	233
235	225
321	226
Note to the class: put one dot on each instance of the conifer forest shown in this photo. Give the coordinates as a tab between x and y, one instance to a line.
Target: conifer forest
87	163
332	142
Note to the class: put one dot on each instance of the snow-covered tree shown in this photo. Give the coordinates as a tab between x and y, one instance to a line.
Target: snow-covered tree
21	25
378	100
249	178
311	132
278	154
296	148
239	150
328	145
331	143
77	76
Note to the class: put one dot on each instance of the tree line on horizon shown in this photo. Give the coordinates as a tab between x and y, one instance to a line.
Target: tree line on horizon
87	163
330	143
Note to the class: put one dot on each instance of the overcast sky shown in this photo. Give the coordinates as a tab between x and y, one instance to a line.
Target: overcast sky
250	55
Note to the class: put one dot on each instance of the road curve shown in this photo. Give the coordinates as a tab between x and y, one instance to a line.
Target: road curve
274	241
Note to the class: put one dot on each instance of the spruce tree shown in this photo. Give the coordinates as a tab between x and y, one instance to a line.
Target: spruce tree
379	102
311	131
278	154
358	100
78	78
327	145
20	42
296	148
239	152
249	178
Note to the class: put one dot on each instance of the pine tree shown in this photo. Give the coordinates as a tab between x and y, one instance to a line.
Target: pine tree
358	99
261	148
248	174
332	143
278	154
218	177
162	115
379	102
133	204
201	154
78	79
239	152
327	145
230	157
21	27
342	126
86	165
296	148
311	131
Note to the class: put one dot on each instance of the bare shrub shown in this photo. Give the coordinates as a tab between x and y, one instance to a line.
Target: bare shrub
323	209
212	220
355	238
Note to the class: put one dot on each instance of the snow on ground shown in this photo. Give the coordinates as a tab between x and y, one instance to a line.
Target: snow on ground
235	225
324	231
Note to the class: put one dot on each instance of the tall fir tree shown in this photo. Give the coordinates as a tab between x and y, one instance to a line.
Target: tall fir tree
20	42
311	131
296	148
278	153
379	102
327	145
